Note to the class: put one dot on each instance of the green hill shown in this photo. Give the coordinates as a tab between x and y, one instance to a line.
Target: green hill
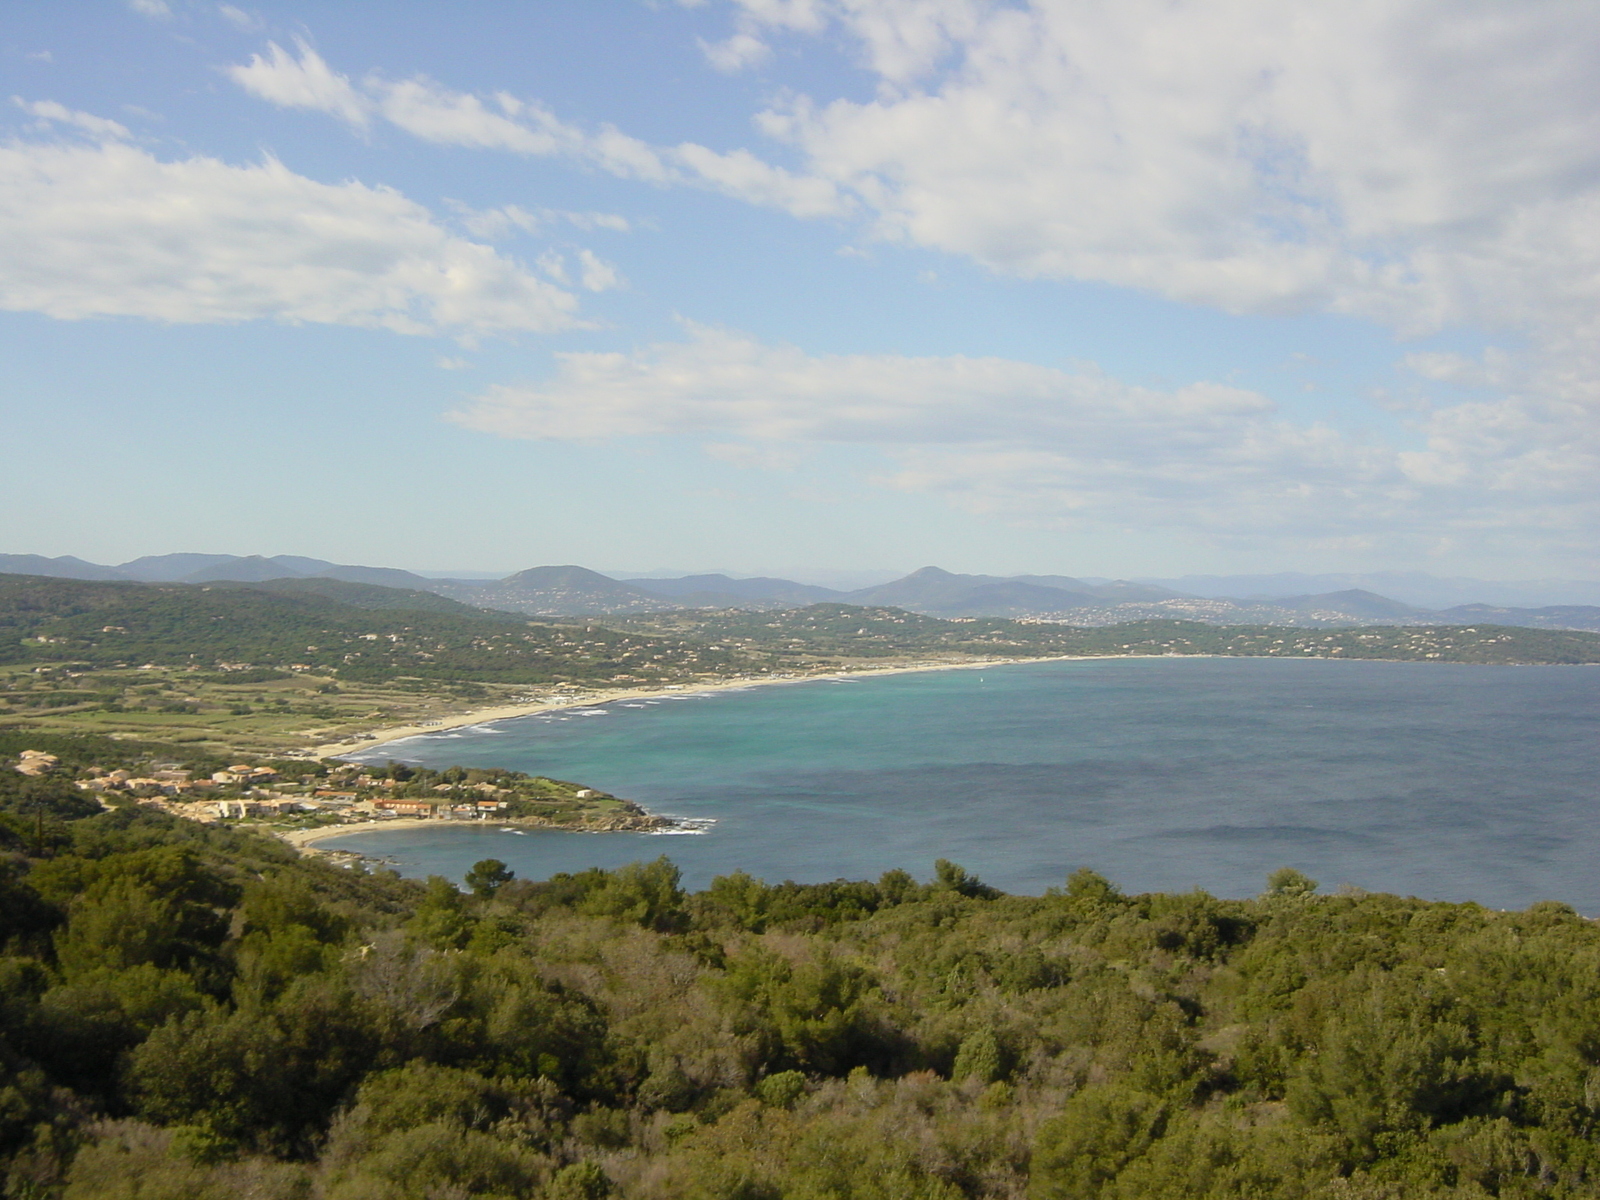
853	632
313	623
372	596
190	1011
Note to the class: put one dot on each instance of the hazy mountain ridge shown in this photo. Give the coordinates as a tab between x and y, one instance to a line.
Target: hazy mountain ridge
944	593
209	568
724	591
364	595
565	591
65	567
1417	588
574	591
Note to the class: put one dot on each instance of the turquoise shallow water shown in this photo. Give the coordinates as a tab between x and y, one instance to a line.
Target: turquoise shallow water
1436	780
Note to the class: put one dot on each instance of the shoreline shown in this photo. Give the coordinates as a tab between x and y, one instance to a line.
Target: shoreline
307	839
506	712
302	838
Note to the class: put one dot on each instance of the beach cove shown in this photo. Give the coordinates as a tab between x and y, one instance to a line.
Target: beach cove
1440	780
352	747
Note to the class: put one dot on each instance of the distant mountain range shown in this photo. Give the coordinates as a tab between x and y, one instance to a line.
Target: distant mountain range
572	591
208	568
1411	587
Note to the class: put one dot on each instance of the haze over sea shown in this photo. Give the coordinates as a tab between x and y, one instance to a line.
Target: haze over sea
1436	780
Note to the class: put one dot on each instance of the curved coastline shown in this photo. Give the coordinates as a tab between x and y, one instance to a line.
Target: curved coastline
506	712
302	839
484	716
1153	773
309	840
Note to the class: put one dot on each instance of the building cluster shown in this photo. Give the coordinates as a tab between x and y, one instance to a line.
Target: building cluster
245	793
469	810
37	762
350	806
175	782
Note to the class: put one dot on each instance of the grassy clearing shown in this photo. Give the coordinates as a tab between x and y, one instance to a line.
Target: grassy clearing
188	708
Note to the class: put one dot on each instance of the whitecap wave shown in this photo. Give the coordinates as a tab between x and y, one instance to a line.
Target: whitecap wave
686	826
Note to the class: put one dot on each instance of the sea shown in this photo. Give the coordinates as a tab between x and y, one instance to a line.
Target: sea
1436	780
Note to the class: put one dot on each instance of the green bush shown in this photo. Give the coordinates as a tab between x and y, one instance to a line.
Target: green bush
264	1025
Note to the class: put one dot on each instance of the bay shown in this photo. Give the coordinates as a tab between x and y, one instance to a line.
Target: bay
1438	780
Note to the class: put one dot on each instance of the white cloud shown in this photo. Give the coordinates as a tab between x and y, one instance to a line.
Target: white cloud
594	220
737	52
901	38
1493	369
1057	447
49	112
1427	164
554	265
111	230
498	222
1424	162
597	275
726	382
306	82
156	10
437	114
1430	164
426	110
238	18
740	174
492	223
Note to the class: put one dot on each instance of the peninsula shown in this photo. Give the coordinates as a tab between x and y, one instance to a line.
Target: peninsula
298	800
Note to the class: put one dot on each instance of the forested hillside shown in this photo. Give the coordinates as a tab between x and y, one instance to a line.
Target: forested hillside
851	632
369	633
128	624
187	1011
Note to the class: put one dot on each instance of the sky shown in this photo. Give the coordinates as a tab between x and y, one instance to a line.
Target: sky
806	287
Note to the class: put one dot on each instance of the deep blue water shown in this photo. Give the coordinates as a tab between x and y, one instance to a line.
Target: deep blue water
1436	780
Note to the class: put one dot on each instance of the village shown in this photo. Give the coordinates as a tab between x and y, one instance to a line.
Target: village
247	790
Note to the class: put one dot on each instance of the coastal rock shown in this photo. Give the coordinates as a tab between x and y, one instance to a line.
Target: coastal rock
638	821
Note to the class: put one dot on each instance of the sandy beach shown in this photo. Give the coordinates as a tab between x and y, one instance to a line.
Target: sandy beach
610	695
301	838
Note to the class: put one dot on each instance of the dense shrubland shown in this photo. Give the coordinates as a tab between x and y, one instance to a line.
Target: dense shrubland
192	1012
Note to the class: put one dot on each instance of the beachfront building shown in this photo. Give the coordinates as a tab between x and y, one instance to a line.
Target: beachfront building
466	810
405	808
